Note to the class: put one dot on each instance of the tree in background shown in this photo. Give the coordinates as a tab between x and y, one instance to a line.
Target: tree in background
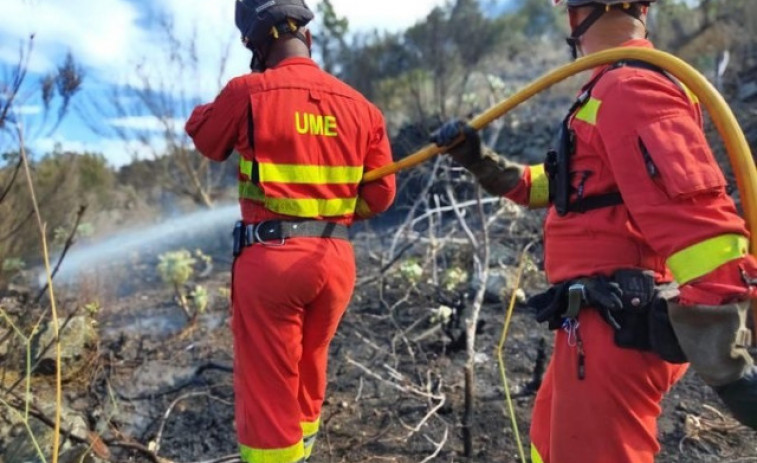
330	36
152	112
57	199
58	86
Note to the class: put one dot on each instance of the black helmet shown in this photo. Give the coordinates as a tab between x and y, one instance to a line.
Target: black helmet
258	20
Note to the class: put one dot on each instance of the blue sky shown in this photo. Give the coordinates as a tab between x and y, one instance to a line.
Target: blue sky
110	38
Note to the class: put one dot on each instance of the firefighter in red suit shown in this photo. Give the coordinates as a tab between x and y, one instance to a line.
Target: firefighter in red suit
305	139
636	200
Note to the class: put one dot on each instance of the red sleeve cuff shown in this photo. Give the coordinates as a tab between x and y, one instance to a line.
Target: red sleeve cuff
521	193
732	282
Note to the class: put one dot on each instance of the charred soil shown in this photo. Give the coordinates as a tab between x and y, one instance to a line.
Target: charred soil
157	387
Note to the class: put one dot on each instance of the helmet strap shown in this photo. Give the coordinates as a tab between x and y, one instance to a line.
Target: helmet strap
599	9
259	57
260	54
581	29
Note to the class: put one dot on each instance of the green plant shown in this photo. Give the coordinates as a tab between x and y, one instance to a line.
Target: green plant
224	292
441	315
13	265
176	268
61	234
93	308
411	271
199	299
453	277
206	259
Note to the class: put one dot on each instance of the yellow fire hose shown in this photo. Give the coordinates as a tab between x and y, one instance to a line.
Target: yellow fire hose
735	142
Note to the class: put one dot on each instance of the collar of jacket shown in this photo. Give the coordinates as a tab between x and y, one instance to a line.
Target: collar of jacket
296	61
642	43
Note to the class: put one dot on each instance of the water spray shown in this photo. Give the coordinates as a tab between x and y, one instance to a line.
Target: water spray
169	234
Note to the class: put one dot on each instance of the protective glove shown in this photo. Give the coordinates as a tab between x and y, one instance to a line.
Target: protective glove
601	293
497	175
716	340
466	153
604	295
550	305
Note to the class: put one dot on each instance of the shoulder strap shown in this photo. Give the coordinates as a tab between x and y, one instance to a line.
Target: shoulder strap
651	67
634	63
562	189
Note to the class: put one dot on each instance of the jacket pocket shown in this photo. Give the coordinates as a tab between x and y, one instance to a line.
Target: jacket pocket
678	158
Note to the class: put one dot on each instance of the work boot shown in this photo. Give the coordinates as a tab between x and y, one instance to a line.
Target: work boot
741	398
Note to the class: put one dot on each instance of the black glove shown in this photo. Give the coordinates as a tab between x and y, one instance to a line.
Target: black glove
604	295
465	153
550	305
600	293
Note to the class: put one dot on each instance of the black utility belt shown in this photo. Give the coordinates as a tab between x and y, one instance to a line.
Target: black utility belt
276	232
629	301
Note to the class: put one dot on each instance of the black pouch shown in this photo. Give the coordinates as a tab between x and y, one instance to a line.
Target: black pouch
638	294
662	337
634	329
644	320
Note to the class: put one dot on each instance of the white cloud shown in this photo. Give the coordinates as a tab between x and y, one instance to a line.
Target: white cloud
98	33
110	37
149	123
27	110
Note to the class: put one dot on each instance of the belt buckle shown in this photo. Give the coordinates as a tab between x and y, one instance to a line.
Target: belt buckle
272	243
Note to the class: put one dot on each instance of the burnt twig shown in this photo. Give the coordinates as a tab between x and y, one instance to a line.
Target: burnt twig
66	246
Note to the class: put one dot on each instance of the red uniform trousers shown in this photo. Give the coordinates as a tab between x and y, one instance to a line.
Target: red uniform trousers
287	303
618	401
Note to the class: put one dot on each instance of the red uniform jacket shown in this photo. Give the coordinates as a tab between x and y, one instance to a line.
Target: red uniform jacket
641	135
305	140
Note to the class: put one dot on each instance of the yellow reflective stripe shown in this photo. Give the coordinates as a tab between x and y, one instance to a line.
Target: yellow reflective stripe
248	190
362	209
313	175
245	167
293	454
589	111
539	194
704	257
309	431
305	207
535	457
311	207
310	428
309	448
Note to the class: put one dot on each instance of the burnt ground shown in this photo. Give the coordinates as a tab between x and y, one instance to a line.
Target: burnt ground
154	389
396	383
